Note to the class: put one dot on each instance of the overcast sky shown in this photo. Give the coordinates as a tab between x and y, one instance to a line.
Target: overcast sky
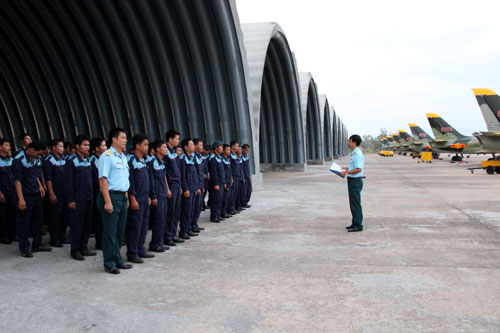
387	63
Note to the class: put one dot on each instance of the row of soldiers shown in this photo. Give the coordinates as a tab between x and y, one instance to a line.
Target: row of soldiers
165	190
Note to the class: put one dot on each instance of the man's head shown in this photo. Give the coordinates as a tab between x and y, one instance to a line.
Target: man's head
172	137
57	147
178	150
234	146
160	147
245	149
198	146
140	144
35	149
118	139
354	141
5	149
24	140
82	145
98	146
226	150
188	146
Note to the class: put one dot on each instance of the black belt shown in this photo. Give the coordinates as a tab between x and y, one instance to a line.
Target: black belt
118	192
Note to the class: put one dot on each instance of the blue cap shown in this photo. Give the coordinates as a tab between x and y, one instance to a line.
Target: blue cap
217	143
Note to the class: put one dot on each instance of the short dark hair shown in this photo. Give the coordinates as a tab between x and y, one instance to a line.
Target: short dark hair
234	142
246	145
22	136
3	140
95	142
196	141
115	133
185	142
68	145
80	138
224	146
158	143
55	142
171	134
36	145
356	139
138	139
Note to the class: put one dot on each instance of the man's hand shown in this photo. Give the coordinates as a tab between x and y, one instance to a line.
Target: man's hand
154	202
169	194
2	197
187	194
217	188
134	204
22	205
198	192
108	207
72	205
225	186
53	199
343	173
42	192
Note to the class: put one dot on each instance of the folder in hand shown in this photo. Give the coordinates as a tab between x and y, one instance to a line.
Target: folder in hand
336	169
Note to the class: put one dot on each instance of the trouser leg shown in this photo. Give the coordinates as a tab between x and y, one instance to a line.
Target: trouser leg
355	185
158	218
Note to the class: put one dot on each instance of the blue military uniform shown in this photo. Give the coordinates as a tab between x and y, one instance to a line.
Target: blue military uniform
79	189
96	216
174	203
141	186
114	167
247	193
8	208
228	181
354	186
189	182
198	200
205	166
238	204
217	178
158	212
53	170
27	171
236	172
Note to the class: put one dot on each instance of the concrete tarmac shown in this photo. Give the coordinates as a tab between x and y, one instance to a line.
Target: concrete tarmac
428	260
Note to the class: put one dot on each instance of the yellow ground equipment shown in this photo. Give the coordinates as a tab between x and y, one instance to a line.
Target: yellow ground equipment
491	166
426	157
386	153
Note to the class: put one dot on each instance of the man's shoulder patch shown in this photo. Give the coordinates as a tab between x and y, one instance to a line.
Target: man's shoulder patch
109	153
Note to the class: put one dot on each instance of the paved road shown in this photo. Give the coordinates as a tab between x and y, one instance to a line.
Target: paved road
428	260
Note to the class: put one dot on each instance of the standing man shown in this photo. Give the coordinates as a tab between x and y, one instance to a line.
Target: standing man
228	182
217	179
200	188
8	199
174	183
189	184
140	193
97	148
159	197
53	170
247	193
29	191
79	194
355	182
112	202
235	171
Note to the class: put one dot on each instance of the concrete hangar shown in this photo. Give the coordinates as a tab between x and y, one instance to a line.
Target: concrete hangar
70	67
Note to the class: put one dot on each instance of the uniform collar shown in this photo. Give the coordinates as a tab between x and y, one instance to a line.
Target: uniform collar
116	152
79	157
55	156
137	158
355	150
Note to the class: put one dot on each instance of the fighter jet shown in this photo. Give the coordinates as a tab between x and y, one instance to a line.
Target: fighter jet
489	103
406	140
397	142
421	140
448	139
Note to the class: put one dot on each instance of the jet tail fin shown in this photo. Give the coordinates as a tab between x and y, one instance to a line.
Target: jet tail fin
441	129
489	103
418	133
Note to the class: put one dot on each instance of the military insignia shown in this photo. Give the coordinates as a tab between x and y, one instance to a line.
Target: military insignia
109	153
